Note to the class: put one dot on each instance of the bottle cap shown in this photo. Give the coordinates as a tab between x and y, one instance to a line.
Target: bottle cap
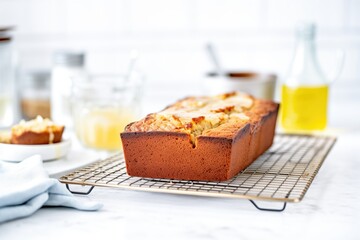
69	59
39	78
4	34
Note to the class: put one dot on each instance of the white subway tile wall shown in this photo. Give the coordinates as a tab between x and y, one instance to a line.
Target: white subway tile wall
231	15
94	17
329	14
352	15
171	34
159	15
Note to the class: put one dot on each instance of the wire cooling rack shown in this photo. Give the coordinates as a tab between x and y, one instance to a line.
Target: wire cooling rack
283	173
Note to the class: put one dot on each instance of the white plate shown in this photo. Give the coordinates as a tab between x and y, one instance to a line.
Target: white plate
48	152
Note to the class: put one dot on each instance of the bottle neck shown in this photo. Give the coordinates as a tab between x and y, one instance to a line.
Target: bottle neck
305	53
305	68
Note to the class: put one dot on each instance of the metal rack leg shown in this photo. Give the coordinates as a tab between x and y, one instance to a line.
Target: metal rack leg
269	209
81	193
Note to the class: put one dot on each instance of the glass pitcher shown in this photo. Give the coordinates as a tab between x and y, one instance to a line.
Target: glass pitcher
304	93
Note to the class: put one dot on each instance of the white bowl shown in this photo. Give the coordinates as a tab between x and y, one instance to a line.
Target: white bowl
48	152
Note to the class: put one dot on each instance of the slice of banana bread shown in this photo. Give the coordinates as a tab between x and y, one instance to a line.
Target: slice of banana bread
36	131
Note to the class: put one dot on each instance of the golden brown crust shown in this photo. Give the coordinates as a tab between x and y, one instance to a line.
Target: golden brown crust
33	138
169	155
194	148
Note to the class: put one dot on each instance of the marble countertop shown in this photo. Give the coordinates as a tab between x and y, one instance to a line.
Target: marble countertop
329	210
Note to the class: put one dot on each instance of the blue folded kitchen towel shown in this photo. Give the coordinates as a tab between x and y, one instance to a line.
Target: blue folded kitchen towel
25	187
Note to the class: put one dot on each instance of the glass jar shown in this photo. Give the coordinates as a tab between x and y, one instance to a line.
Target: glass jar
35	94
8	99
68	67
103	106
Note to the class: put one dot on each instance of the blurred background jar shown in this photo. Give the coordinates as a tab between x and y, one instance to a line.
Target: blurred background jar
68	67
35	94
8	99
258	84
103	106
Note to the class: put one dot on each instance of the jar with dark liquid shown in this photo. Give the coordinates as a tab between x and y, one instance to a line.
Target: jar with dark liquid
35	94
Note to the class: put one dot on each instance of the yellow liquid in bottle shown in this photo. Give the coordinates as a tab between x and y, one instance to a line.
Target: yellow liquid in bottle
101	128
304	108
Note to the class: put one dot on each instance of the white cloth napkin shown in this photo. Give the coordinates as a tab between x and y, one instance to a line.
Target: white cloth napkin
25	187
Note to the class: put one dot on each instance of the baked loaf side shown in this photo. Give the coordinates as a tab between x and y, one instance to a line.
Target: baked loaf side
37	131
200	138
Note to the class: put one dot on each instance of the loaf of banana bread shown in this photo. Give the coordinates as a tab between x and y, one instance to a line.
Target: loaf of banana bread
200	138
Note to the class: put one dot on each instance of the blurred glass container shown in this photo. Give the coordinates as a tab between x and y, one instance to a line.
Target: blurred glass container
103	106
35	94
8	100
304	95
260	85
68	67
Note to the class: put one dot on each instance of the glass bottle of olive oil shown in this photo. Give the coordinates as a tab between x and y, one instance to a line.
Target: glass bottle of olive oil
304	93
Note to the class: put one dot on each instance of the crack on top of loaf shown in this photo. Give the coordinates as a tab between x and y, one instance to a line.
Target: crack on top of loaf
194	115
